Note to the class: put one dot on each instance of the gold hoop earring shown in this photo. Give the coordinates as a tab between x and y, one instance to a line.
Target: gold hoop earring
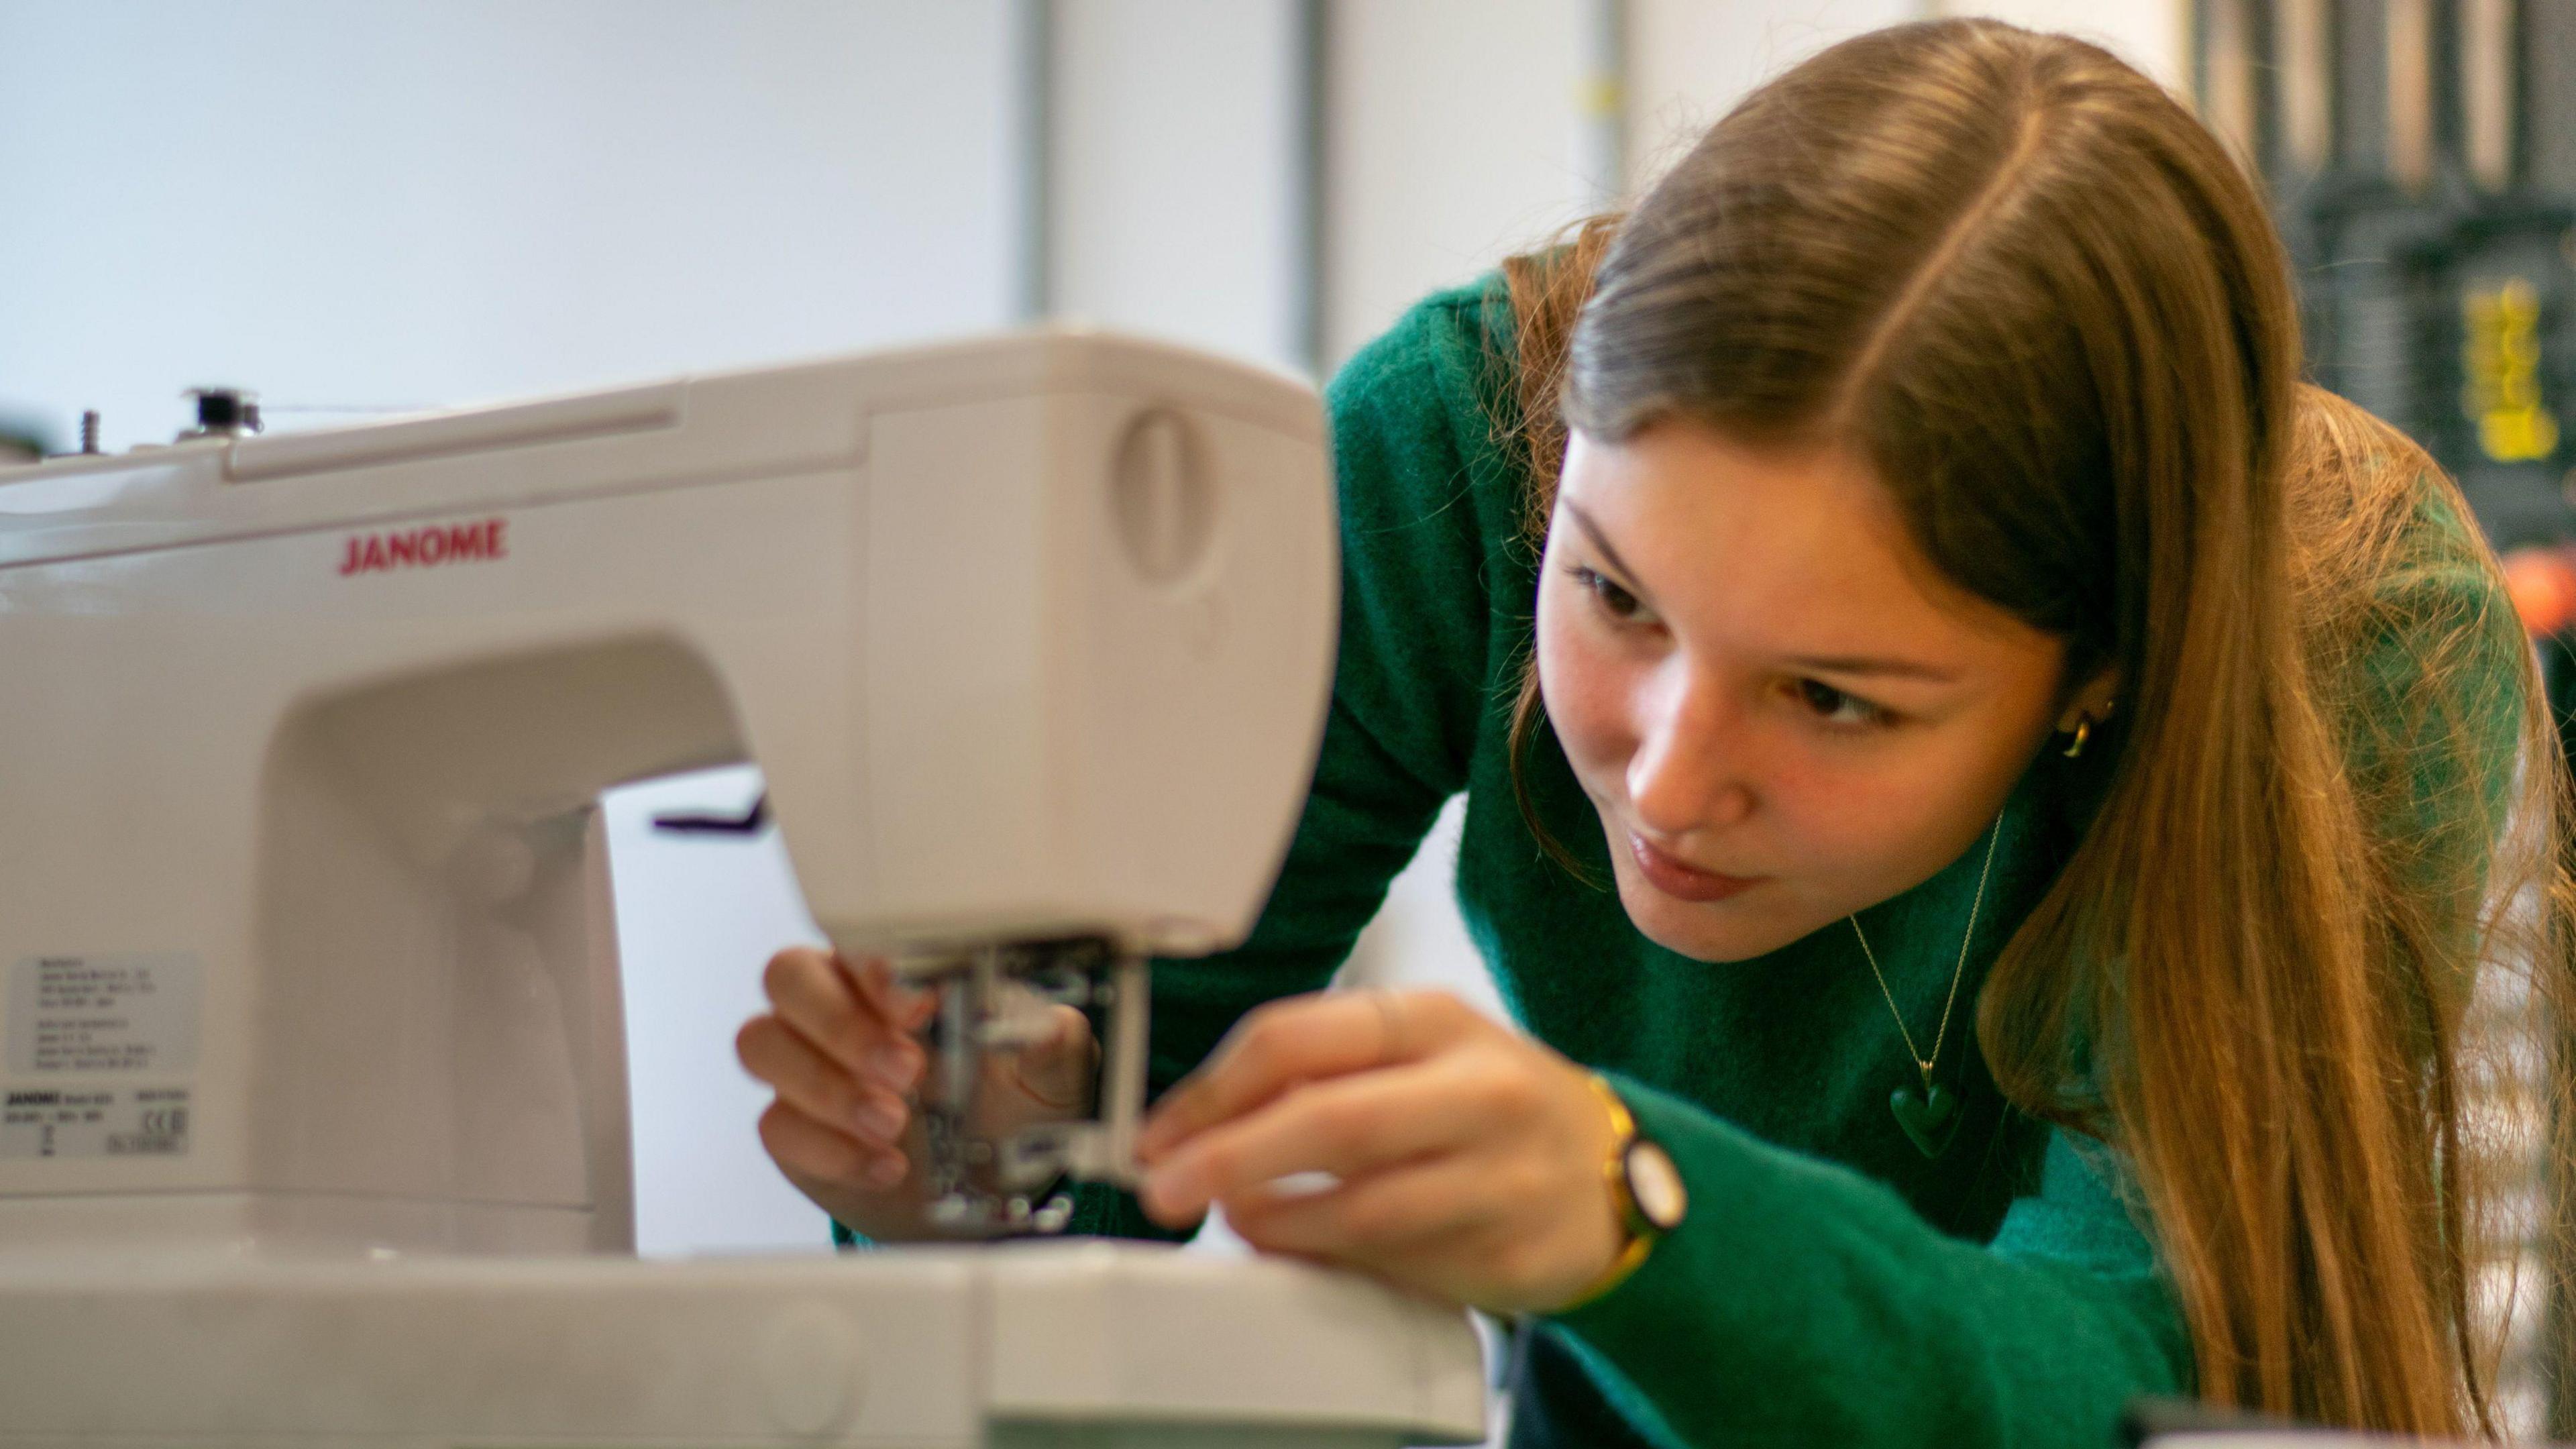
2083	731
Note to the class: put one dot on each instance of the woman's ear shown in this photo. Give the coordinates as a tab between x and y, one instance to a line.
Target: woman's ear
2093	701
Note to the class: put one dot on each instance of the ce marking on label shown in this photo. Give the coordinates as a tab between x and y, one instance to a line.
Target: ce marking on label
165	1122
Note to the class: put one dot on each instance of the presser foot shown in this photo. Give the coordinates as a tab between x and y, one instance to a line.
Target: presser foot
991	1002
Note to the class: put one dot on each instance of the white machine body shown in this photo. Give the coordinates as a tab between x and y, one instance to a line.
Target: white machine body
308	971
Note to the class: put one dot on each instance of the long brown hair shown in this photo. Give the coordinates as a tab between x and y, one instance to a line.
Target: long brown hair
2046	304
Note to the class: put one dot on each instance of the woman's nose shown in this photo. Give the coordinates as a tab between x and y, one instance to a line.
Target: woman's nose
1687	772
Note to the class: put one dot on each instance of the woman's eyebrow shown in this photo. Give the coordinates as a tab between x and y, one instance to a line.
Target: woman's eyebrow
1592	531
1863	665
1870	665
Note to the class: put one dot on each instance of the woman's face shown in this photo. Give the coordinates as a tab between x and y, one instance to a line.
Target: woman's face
1781	710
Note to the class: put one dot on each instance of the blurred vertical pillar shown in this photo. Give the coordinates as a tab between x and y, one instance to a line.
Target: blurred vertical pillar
1033	65
1601	110
2232	70
2490	91
1310	172
2419	124
2303	87
2546	117
2366	215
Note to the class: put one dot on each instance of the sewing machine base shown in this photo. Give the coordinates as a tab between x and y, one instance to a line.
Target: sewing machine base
1093	1344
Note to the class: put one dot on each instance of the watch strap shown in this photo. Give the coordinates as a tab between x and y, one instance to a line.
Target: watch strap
1640	1233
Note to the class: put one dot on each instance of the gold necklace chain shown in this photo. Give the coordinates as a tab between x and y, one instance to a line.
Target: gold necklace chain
1994	833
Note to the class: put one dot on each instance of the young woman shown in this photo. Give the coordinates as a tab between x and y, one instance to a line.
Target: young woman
1990	799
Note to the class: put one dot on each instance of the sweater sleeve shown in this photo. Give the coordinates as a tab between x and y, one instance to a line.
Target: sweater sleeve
1801	1303
1407	691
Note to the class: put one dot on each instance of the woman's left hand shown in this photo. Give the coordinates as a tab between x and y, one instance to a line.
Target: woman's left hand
1465	1160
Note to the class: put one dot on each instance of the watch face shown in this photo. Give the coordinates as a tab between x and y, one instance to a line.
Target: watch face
1656	1185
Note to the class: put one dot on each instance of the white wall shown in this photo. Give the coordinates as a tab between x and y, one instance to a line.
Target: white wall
416	204
1451	142
1174	212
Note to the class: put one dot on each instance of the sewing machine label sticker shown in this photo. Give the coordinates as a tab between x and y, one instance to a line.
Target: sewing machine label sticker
94	1014
74	1019
105	1122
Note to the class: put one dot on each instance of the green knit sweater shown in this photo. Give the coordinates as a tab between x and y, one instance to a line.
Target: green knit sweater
1830	1285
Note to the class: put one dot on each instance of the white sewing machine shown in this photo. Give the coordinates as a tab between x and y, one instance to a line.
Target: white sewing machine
315	1101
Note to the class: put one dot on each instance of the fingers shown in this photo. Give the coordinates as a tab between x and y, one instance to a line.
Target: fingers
1459	1229
837	1050
1454	1157
817	1086
1300	1040
859	1019
1365	1218
819	1159
1350	1126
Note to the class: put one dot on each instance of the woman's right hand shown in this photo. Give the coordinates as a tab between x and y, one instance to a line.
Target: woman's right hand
841	1047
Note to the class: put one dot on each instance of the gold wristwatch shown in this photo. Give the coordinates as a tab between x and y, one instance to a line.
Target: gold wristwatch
1645	1187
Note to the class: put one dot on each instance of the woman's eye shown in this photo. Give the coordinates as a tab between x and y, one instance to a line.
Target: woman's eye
1620	603
1835	707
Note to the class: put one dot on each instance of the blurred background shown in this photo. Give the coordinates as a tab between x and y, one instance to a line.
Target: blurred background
2421	156
355	209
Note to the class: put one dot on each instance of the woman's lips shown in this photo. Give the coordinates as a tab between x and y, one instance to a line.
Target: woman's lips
1684	882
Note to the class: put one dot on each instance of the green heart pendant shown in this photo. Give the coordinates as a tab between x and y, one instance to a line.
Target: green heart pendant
1930	1120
